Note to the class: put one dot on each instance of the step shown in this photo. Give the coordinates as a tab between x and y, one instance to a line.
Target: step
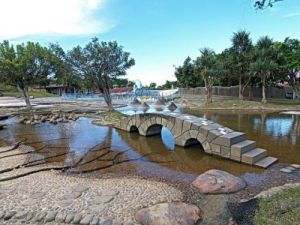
242	147
230	139
266	162
254	155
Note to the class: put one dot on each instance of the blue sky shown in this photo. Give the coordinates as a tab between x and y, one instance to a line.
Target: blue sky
157	33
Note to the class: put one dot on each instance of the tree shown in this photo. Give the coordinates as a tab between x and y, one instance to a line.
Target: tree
264	62
206	68
152	85
100	62
185	75
289	50
242	46
262	4
25	65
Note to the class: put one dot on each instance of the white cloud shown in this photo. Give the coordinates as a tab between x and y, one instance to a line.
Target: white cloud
291	15
19	18
152	73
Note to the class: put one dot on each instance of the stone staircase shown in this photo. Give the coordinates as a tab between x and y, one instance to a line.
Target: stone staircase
245	151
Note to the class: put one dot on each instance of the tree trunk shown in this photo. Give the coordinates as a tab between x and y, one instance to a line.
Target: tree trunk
264	99
25	96
104	87
241	97
208	94
251	92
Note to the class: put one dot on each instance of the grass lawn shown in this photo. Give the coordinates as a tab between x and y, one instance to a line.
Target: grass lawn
280	209
13	92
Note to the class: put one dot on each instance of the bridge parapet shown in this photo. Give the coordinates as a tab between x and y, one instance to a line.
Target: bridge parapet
188	129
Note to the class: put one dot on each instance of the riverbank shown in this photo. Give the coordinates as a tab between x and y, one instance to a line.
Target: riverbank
221	103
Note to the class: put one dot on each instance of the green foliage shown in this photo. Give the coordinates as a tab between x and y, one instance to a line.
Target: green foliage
185	75
99	63
152	85
25	65
168	85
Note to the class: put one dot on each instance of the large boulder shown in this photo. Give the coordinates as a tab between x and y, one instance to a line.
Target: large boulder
174	213
218	182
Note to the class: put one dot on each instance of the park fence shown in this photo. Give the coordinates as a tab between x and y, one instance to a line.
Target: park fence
233	91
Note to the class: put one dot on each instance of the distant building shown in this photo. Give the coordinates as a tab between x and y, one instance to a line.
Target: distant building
59	89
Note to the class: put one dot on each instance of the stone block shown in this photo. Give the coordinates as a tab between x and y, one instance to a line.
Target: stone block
206	147
180	141
194	133
164	122
201	138
213	134
206	128
229	139
158	120
186	126
177	128
215	148
225	152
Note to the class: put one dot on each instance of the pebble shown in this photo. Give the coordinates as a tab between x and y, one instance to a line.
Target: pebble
94	221
290	168
77	219
60	217
51	216
285	170
40	216
30	215
86	220
69	218
80	188
106	222
103	199
21	214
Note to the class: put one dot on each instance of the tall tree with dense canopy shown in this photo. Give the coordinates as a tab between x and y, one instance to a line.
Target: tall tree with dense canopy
25	65
185	75
100	62
289	51
242	46
206	68
264	63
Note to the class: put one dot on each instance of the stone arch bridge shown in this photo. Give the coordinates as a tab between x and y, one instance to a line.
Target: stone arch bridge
188	130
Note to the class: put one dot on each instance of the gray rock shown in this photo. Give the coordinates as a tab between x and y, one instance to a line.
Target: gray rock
60	217
285	170
29	202
21	214
30	215
2	213
106	222
95	221
80	188
103	199
86	219
40	216
97	208
109	192
69	217
218	182
8	215
50	216
174	213
77	219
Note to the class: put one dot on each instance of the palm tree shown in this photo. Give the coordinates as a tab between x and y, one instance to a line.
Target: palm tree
206	67
242	46
264	62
